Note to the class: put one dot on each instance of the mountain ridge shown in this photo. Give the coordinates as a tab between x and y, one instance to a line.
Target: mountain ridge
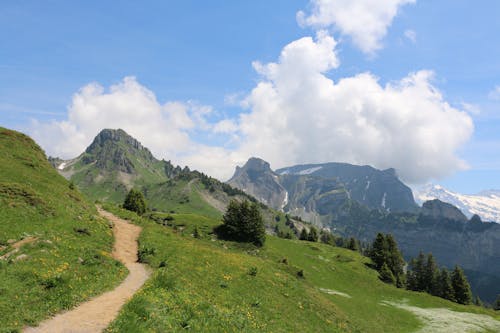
486	203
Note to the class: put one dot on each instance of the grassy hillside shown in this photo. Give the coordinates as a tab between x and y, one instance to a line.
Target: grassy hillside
54	249
203	284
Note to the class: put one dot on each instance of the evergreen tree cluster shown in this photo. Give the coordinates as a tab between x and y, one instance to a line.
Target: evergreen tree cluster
311	236
424	275
388	260
134	201
243	222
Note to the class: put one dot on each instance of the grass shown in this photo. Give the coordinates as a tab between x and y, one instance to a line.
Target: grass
214	286
68	258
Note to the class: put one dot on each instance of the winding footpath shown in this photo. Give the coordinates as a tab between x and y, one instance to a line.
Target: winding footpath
96	314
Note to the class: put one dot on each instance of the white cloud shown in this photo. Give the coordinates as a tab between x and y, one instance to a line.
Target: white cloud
163	128
299	115
365	21
472	109
295	114
411	35
495	93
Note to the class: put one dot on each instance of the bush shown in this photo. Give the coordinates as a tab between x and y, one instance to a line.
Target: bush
135	202
252	271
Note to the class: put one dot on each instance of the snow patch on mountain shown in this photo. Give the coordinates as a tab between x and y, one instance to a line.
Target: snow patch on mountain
486	204
309	171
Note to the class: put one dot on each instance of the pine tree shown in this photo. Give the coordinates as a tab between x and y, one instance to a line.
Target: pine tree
353	244
445	289
496	305
411	278
395	260
313	235
303	234
386	275
378	253
419	270
461	287
430	275
478	301
243	222
134	201
327	238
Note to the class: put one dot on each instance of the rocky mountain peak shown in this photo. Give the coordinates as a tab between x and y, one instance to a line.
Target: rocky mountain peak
113	135
438	209
257	179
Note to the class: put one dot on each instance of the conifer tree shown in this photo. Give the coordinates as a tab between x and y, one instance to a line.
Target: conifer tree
419	270
353	244
496	305
411	278
378	252
461	287
478	301
445	289
327	238
303	234
430	275
386	275
313	235
243	222
395	260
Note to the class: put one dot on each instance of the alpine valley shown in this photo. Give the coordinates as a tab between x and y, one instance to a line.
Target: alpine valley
56	247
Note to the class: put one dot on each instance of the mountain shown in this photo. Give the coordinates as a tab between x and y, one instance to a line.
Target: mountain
55	250
360	201
323	192
486	204
376	189
257	179
115	162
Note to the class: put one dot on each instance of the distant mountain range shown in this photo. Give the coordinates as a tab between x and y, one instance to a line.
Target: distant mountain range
361	201
486	204
321	192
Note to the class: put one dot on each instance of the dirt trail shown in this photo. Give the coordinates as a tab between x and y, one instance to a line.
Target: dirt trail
96	314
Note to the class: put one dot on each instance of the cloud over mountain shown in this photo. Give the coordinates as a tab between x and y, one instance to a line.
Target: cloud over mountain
298	112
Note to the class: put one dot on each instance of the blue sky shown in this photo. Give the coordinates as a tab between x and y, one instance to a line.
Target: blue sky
200	53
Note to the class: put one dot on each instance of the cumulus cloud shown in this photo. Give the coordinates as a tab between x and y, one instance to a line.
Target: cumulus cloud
297	114
163	128
364	21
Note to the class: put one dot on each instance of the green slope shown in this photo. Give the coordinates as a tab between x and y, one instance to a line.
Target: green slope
206	285
66	258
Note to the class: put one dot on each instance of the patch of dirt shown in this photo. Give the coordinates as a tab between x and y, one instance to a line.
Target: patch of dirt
96	314
335	292
17	246
441	320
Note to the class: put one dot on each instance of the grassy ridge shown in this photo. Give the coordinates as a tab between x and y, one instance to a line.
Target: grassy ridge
207	285
67	258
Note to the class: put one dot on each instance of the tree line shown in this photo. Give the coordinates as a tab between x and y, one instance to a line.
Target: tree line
423	273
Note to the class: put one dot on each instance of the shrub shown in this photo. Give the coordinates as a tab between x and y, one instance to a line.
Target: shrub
135	202
252	271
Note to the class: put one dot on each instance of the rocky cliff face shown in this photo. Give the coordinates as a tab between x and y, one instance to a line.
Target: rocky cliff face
323	189
436	209
257	179
376	189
